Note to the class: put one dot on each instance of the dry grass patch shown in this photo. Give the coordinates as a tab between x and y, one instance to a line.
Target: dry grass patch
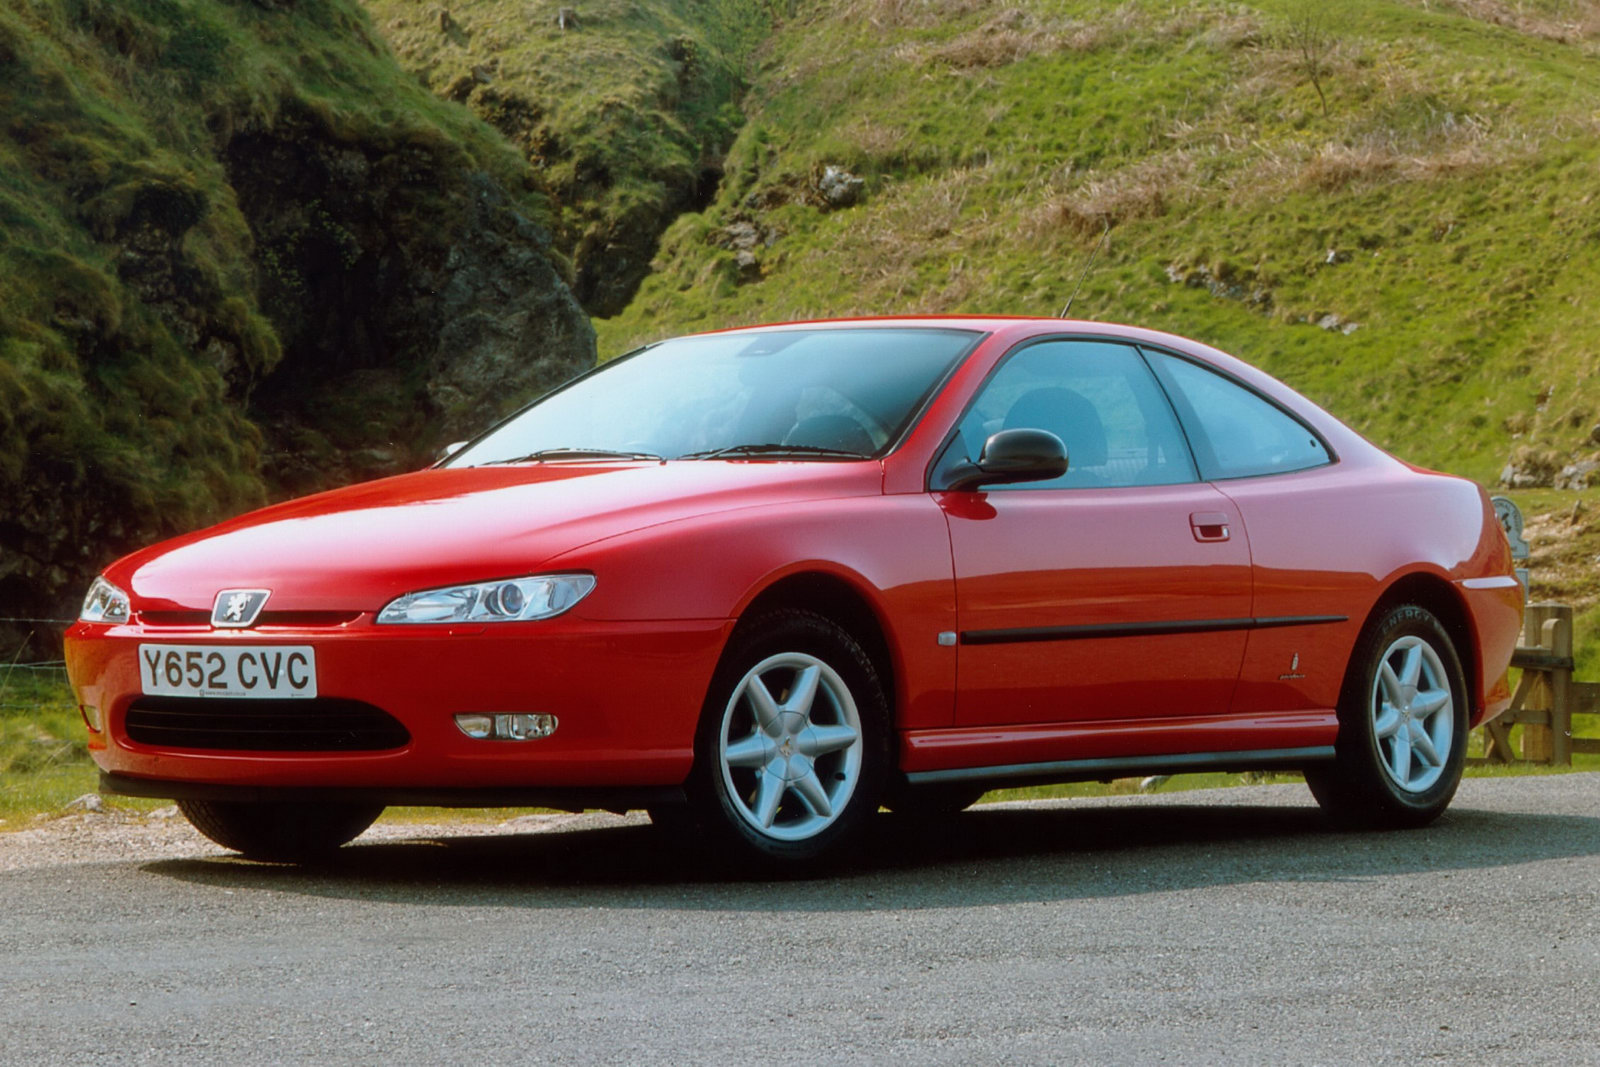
875	140
1015	35
1141	191
906	14
1564	21
1333	166
1563	535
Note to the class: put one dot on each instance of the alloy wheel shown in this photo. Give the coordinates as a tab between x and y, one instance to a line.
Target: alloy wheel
790	747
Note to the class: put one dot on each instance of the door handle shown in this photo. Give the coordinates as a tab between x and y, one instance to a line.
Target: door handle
1209	525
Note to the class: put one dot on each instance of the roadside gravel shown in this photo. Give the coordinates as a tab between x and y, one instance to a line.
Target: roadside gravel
113	836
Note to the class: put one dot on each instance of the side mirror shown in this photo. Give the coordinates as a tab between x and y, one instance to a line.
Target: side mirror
448	450
1012	456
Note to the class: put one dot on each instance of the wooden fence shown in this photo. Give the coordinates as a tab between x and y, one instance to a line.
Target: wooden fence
1546	697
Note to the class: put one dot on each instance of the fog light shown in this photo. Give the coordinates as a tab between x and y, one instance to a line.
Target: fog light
475	725
523	727
91	717
506	727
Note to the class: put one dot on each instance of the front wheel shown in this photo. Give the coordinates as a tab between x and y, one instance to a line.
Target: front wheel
280	833
794	741
1402	726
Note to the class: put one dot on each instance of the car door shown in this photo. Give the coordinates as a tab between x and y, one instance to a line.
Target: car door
1300	508
1118	591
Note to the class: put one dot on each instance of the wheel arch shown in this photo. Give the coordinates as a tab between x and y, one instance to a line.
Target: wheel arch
836	598
1436	595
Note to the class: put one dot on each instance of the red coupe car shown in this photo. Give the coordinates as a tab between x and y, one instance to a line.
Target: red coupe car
768	580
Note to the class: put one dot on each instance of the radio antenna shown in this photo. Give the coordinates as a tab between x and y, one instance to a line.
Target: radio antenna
1099	245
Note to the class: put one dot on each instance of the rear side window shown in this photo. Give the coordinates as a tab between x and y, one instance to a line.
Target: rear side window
1240	434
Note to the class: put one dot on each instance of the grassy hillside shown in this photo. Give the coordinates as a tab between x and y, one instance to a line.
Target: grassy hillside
235	238
624	112
1420	257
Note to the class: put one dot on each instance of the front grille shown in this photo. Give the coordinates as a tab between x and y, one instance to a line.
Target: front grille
319	725
266	618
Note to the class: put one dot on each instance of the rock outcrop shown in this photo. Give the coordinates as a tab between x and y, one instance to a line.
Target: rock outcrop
246	255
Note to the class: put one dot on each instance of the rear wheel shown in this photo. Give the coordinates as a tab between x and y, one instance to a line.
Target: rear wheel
1402	726
794	741
280	833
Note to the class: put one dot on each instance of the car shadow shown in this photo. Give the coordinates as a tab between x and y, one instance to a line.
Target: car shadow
990	855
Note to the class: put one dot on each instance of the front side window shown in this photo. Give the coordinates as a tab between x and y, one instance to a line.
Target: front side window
1099	398
810	393
1240	434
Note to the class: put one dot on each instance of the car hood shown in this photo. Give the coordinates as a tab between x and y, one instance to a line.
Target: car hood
355	549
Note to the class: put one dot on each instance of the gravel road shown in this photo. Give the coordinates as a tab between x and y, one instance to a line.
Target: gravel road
1219	926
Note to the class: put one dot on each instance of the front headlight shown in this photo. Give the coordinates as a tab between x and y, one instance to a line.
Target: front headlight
542	596
105	603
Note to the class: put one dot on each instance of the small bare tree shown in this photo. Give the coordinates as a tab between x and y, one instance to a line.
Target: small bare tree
1312	38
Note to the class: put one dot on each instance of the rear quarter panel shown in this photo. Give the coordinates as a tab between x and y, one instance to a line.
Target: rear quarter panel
1335	541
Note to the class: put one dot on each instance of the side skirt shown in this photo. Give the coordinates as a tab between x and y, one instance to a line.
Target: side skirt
1085	770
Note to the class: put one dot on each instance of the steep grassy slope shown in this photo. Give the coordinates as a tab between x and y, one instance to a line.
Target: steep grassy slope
625	111
1421	258
242	252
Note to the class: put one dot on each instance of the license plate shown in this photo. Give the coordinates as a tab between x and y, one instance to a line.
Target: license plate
274	672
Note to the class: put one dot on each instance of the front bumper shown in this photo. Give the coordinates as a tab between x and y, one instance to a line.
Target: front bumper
627	696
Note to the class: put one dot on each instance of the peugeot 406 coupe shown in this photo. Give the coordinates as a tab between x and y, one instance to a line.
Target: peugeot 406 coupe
766	581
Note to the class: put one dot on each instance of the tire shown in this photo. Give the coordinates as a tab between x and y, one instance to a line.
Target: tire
280	833
793	746
1402	726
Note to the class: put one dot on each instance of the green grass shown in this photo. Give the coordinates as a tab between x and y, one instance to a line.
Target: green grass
622	116
44	762
1451	182
131	327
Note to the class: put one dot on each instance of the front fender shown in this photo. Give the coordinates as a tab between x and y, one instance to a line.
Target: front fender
894	551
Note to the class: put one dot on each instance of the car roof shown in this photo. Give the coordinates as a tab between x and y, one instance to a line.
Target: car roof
1014	325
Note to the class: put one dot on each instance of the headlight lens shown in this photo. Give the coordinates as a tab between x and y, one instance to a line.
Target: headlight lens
541	596
105	603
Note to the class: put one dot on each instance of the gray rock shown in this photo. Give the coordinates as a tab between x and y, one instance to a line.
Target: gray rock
839	187
1531	468
1575	475
741	234
749	266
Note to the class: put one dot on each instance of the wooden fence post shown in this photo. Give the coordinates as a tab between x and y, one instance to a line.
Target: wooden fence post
1540	626
1544	701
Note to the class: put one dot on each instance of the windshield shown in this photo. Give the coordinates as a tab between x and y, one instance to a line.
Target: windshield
838	393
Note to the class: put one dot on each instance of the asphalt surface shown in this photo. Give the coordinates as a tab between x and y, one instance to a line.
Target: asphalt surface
1229	926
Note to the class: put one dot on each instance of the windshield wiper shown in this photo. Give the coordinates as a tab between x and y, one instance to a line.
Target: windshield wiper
773	449
573	453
